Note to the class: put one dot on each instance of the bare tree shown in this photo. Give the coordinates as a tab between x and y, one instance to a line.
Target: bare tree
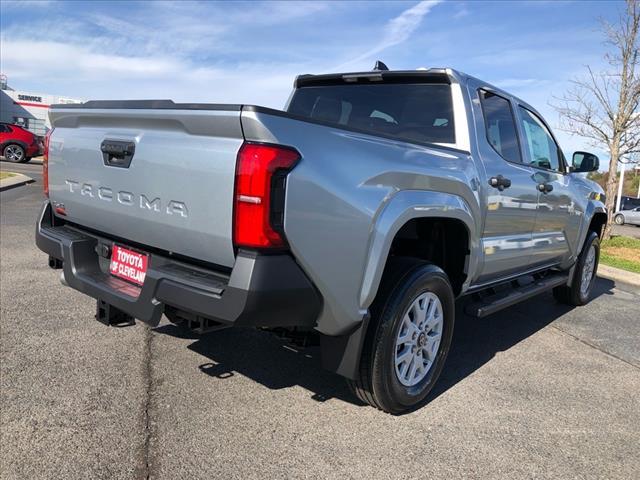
603	106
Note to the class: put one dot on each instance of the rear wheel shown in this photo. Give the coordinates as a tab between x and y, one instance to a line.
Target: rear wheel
408	339
14	153
584	275
619	219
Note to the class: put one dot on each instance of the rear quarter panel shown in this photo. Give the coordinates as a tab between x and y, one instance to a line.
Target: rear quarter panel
336	197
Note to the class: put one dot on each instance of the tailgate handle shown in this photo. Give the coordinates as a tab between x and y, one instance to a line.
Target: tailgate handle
117	153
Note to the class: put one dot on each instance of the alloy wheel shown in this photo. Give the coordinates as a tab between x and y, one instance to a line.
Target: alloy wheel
418	339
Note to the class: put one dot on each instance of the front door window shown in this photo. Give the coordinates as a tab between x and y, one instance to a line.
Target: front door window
542	148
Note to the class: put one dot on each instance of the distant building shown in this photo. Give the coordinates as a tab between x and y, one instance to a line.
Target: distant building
28	109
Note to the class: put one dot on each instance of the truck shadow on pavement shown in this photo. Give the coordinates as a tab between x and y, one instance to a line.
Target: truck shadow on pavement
275	364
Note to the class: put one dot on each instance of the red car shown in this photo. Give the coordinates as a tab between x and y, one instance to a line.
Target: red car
18	144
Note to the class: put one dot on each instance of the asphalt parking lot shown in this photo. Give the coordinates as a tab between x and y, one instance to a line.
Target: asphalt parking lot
627	230
539	390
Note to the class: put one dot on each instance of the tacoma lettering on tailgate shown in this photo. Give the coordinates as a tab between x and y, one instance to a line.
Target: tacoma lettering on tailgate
107	194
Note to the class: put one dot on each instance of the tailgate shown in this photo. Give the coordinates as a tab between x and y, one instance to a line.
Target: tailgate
155	173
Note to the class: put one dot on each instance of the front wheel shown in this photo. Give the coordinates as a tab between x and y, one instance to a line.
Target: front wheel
584	275
408	338
619	219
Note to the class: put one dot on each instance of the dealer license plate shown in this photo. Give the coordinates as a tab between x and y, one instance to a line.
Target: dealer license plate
128	264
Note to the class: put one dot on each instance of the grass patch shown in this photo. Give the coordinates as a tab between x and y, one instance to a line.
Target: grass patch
4	175
621	252
628	242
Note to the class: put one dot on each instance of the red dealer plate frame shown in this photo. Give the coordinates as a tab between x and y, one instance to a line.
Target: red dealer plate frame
128	264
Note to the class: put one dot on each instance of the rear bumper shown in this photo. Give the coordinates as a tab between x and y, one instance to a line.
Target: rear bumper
261	290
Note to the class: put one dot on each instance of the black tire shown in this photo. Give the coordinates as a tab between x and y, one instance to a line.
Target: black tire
575	295
14	153
619	220
377	383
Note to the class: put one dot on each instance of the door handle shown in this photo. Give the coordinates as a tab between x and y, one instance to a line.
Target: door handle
499	182
545	187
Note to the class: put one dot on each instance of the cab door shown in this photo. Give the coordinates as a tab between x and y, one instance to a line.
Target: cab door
558	216
509	192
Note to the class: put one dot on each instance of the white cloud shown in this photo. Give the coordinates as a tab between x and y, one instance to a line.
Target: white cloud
397	30
461	13
79	71
274	13
77	61
198	52
15	4
188	52
513	83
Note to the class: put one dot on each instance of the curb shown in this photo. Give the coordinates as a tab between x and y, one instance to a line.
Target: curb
619	275
15	181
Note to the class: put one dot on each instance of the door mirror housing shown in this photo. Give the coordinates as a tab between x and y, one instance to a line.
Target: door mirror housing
584	162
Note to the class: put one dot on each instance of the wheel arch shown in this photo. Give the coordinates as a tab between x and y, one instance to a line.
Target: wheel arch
6	143
598	221
595	220
341	354
417	209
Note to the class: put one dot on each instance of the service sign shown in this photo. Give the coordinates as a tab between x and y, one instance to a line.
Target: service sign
30	98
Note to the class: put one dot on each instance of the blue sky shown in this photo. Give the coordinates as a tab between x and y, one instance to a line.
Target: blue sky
239	52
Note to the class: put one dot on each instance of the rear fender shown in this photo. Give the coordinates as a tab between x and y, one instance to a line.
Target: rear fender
13	142
405	206
341	354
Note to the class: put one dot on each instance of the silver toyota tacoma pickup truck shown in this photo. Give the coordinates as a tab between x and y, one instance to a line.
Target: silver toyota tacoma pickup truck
357	214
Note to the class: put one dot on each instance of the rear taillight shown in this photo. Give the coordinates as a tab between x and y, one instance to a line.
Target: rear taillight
259	191
45	163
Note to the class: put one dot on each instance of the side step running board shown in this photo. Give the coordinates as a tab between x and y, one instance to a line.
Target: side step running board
494	302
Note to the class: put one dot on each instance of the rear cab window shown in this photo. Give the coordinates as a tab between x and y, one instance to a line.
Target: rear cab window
500	126
421	113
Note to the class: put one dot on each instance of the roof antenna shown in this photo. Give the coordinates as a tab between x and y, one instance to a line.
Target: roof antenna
379	66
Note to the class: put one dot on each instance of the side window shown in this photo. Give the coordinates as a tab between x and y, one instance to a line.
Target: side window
543	150
3	129
500	126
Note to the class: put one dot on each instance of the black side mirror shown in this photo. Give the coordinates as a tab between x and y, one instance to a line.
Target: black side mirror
584	162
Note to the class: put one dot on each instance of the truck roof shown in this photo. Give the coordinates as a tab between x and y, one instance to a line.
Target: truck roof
427	75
